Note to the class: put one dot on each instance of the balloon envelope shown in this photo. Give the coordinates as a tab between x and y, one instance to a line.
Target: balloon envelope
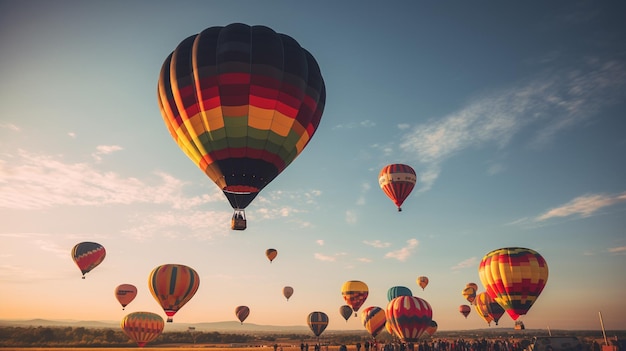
317	322
465	310
142	327
242	102
125	294
345	311
397	181
354	293
409	316
242	312
432	328
469	293
396	291
87	256
514	277
271	254
287	292
172	286
422	282
373	319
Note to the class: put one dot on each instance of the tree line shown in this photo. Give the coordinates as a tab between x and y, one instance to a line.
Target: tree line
110	337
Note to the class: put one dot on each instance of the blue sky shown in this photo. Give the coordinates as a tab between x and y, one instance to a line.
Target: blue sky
512	114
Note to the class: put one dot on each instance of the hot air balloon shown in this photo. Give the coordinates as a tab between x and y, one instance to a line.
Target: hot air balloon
396	291
125	294
287	292
432	328
355	293
472	285
465	310
514	277
242	102
271	254
317	321
242	312
389	327
469	293
409	316
422	282
172	286
482	308
487	305
374	320
142	327
397	181
87	256
345	311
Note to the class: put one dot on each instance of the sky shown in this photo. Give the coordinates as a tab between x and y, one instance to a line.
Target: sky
511	113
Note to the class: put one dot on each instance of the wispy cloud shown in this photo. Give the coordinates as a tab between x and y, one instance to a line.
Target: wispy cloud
351	217
352	125
618	250
404	253
10	126
200	225
319	242
365	188
550	103
583	206
377	243
325	258
104	150
32	181
471	262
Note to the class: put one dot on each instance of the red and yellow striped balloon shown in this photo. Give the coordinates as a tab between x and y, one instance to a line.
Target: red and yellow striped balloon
373	319
490	307
410	316
172	286
87	256
242	102
142	327
514	277
397	181
355	293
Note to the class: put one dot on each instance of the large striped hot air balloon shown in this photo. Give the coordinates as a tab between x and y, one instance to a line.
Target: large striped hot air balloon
317	322
87	256
142	327
355	293
397	181
409	317
373	319
172	286
242	102
514	277
396	291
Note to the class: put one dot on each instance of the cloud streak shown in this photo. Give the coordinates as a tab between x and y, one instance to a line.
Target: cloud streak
550	103
404	253
583	206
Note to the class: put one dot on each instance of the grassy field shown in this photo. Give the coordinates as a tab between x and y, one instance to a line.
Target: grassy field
159	348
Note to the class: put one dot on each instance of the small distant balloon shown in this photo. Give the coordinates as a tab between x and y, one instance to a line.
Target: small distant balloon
345	311
287	292
271	254
87	256
397	181
125	294
242	312
465	310
432	328
422	281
